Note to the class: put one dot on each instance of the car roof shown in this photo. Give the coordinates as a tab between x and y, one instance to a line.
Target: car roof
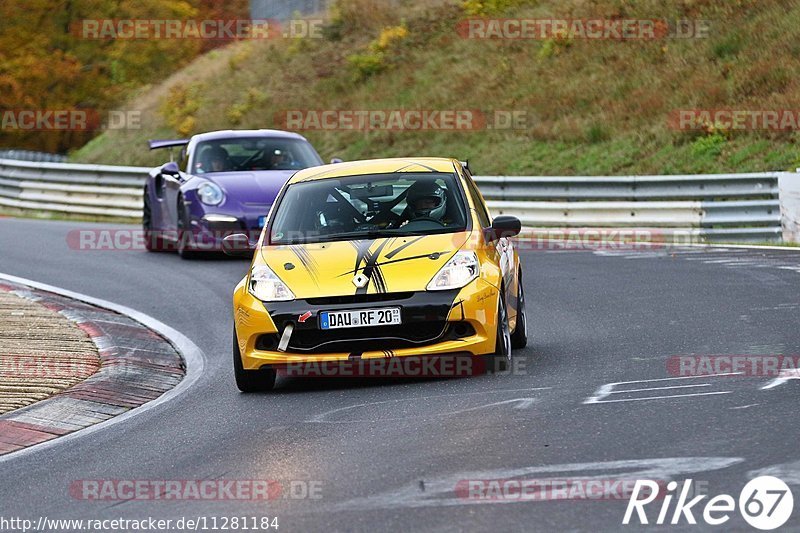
376	166
235	134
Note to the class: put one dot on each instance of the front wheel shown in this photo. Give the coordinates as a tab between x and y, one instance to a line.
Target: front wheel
250	380
519	339
185	235
152	239
500	360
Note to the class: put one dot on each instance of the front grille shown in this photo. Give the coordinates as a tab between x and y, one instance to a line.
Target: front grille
367	339
360	298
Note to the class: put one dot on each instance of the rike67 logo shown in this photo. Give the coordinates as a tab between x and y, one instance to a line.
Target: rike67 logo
765	503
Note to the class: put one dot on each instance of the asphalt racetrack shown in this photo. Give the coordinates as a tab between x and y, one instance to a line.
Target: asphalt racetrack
594	396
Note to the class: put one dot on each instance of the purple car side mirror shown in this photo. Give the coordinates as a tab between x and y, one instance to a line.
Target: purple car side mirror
171	169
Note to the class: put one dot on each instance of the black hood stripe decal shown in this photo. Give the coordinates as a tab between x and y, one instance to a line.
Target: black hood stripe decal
402	247
380	281
412	258
371	268
308	262
424	256
401	169
362	249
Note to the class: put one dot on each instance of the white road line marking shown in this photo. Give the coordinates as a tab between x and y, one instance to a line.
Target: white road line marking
784	375
664	397
610	388
623	391
498	391
787	472
442	491
523	403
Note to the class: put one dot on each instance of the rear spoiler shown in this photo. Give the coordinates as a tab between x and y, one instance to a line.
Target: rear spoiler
157	144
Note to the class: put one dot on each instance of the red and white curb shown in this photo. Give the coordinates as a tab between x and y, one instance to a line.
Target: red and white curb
143	364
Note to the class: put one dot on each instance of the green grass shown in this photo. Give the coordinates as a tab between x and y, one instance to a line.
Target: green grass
594	107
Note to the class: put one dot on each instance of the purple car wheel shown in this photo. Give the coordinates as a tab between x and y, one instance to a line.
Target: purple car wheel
185	233
152	241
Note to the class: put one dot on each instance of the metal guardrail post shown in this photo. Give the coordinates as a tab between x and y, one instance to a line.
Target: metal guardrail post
789	184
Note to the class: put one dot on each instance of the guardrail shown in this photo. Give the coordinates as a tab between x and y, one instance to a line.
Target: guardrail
718	207
96	190
715	207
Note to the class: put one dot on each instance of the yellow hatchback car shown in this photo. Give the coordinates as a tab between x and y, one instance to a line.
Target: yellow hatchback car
379	259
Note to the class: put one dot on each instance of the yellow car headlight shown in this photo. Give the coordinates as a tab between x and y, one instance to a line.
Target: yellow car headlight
265	285
457	272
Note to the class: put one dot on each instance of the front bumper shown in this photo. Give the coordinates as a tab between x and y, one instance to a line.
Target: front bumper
434	323
208	229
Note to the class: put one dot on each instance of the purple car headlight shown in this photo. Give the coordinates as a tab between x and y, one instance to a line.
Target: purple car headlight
210	194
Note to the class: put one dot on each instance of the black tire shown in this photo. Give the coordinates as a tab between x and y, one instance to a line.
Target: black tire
251	380
152	242
185	233
500	360
519	339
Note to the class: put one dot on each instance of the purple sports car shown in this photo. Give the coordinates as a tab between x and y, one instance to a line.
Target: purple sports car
224	182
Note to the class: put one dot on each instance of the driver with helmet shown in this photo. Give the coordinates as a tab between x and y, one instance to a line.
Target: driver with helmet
279	160
214	159
426	200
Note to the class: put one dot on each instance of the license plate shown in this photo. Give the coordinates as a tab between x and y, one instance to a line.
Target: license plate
386	316
262	221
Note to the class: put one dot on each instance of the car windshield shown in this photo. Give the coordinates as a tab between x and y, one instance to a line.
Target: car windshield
254	153
369	206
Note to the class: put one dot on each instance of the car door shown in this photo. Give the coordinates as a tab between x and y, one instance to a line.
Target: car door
172	189
502	249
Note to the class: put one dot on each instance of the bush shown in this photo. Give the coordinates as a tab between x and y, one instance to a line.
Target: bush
180	107
374	59
709	146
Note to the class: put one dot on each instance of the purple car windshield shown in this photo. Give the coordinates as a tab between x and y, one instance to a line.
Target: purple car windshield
252	154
